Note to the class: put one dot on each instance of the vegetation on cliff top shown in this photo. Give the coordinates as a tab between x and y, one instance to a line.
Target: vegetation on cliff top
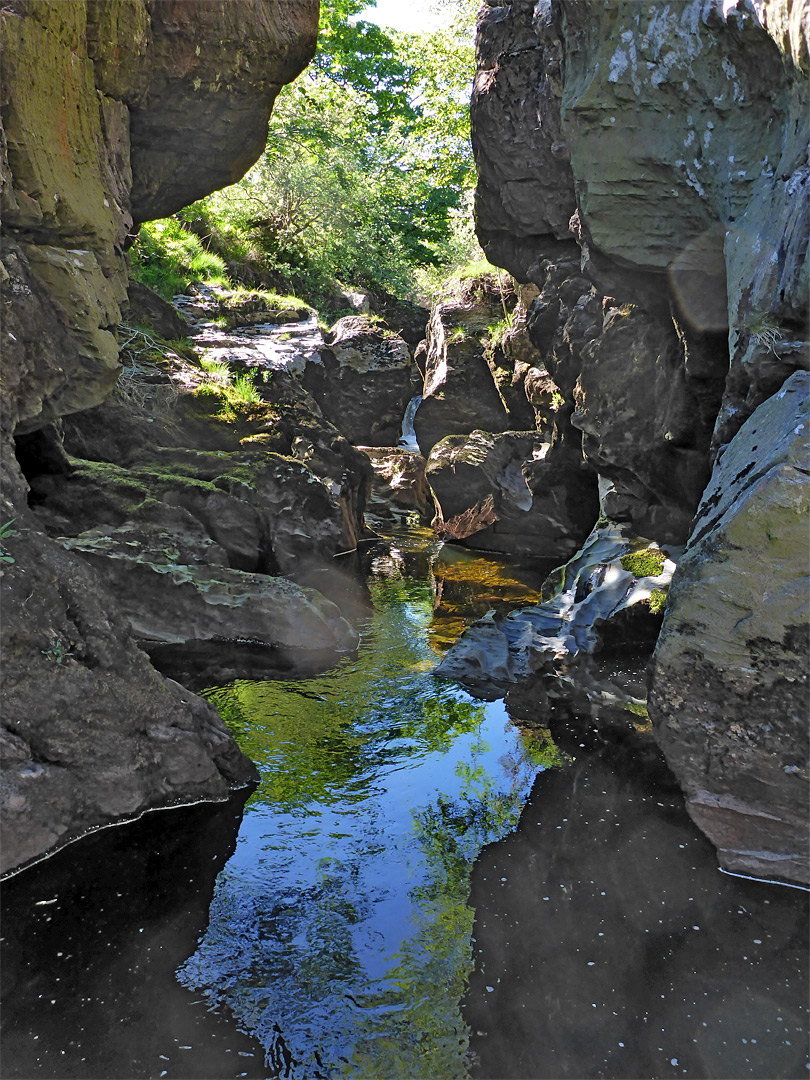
365	181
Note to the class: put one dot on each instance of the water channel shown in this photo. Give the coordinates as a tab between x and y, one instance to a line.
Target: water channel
421	886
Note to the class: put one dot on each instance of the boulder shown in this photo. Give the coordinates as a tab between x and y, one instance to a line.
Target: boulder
362	381
208	603
497	492
143	307
729	686
459	393
399	479
91	733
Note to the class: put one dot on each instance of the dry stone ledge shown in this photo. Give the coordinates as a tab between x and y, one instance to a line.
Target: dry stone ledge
729	687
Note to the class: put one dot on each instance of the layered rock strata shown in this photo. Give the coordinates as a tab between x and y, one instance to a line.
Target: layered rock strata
646	168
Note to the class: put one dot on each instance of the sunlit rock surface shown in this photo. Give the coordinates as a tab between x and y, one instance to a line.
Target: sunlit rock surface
459	393
109	109
729	687
593	587
362	381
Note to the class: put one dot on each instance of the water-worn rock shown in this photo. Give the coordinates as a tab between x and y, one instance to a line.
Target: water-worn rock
209	603
459	393
501	493
399	478
525	192
90	92
268	513
729	686
362	381
604	581
91	733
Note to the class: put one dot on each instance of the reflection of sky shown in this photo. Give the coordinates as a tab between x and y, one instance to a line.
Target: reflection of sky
319	898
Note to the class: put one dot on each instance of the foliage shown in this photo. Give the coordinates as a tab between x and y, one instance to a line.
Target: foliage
6	531
57	652
658	601
237	394
765	330
168	257
646	563
365	179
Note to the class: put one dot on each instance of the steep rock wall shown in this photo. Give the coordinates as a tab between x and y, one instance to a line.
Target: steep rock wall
112	110
677	137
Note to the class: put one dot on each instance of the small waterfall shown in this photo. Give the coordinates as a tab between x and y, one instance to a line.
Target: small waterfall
407	439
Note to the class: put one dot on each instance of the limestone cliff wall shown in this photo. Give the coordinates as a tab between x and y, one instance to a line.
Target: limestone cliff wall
113	111
646	166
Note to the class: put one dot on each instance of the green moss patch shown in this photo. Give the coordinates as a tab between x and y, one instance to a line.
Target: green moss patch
646	563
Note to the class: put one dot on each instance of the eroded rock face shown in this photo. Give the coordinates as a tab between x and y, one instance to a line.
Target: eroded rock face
683	306
92	93
459	393
525	193
729	687
501	493
362	381
399	477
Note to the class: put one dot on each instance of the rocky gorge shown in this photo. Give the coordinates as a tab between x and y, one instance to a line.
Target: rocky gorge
643	184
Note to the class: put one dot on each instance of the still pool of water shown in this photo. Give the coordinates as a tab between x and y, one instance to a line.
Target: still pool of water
388	904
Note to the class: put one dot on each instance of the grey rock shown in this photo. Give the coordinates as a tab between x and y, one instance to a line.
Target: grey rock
729	687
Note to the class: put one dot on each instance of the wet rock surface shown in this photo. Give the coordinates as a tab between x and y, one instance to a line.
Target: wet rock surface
729	686
613	574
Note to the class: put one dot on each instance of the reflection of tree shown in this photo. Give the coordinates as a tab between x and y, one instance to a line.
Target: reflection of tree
422	1033
313	747
289	941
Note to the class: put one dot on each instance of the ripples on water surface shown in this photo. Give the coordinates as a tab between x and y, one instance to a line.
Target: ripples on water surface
339	930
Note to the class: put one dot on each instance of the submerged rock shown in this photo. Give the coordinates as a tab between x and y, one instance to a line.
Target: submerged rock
729	685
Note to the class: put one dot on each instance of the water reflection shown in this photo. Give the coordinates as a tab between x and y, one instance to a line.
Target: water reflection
340	930
609	945
91	941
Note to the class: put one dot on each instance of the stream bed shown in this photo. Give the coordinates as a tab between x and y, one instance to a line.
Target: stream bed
421	886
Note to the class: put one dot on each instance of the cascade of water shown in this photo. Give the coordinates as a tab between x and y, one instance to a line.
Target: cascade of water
407	439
